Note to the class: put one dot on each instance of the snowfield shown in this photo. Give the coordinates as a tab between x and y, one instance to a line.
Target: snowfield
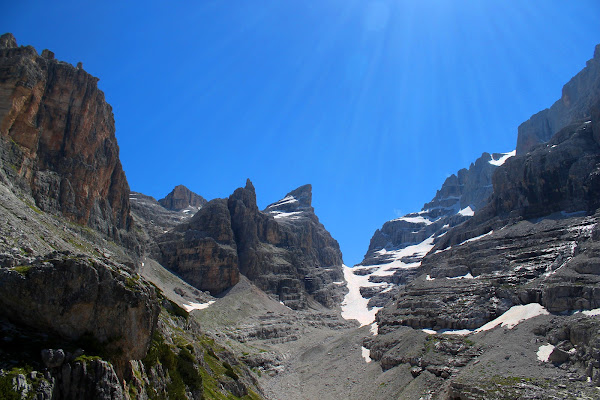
196	306
502	160
514	315
354	305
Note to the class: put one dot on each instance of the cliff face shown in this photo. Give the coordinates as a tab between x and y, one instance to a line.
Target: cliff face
580	99
283	250
203	251
63	132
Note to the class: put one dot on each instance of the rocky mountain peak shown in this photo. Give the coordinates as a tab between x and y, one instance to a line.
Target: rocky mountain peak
579	97
181	197
249	185
303	194
296	201
244	197
8	41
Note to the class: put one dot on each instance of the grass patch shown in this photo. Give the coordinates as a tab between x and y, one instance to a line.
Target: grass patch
84	358
22	269
33	207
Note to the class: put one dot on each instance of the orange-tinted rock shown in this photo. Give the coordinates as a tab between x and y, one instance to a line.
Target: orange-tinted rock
65	131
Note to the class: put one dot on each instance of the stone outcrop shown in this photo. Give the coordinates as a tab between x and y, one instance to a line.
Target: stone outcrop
182	197
60	134
283	250
580	97
77	296
203	251
559	176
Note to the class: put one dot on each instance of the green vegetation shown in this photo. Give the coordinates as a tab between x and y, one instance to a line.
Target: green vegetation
84	358
174	309
7	391
22	269
181	366
33	207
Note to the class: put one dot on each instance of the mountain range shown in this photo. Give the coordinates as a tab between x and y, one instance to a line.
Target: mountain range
491	291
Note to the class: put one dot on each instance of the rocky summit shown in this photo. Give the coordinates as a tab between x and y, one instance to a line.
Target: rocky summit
491	291
284	249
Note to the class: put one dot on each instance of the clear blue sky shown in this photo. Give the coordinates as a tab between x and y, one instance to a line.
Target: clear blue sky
373	102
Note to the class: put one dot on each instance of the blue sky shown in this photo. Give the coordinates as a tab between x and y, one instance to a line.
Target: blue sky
374	103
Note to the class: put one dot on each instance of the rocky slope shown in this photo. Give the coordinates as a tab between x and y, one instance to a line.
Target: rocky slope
59	140
283	250
395	250
532	246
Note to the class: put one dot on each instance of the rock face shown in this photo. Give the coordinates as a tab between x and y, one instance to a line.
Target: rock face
181	198
62	139
580	97
284	250
314	259
203	251
397	248
77	296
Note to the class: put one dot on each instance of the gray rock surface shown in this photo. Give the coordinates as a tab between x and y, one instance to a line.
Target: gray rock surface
285	250
580	96
181	198
77	296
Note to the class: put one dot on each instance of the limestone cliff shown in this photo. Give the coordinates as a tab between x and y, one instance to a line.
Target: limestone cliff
62	134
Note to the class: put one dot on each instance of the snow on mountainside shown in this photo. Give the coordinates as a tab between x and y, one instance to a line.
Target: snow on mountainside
396	250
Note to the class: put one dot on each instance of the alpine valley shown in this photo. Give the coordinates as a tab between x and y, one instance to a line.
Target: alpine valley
491	291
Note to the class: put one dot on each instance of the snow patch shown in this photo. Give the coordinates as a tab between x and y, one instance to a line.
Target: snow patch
543	353
289	215
467	276
591	313
514	315
285	200
414	220
354	305
196	306
395	256
366	353
502	160
429	278
429	331
461	332
467	212
476	238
